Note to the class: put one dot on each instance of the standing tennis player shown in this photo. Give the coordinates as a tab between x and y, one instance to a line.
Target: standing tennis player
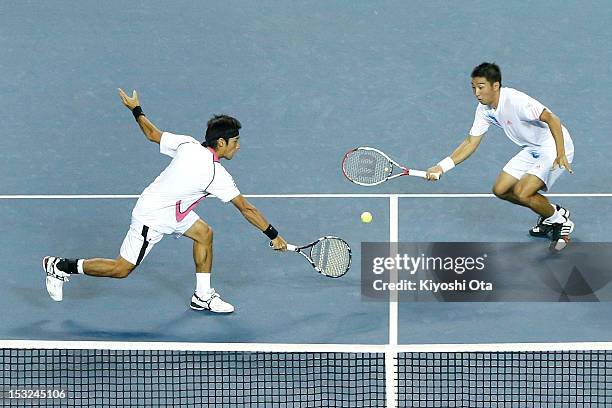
166	207
546	150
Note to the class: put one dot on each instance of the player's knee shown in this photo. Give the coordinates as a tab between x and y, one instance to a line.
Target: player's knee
499	191
208	235
205	235
521	193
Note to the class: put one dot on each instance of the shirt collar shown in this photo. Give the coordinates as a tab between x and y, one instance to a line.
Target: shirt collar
214	153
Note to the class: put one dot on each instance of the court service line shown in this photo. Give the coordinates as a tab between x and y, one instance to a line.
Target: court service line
390	370
304	195
393	295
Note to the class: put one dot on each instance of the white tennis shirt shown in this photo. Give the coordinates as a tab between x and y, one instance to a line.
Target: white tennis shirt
194	173
518	115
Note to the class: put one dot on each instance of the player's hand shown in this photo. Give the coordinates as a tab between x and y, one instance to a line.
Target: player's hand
561	161
130	103
279	244
434	173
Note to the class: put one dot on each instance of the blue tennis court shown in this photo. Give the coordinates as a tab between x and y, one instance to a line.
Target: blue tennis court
308	81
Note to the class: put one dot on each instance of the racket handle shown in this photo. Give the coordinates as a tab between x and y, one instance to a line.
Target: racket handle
289	247
423	174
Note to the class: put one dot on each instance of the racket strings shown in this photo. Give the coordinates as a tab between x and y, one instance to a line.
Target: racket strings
331	256
367	167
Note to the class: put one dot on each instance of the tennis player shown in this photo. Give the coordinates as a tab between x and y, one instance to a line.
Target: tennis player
166	207
546	151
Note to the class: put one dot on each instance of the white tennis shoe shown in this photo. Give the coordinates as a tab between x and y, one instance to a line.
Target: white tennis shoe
212	301
544	228
55	278
561	235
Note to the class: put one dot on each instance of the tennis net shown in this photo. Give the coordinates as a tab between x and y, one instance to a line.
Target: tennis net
109	374
188	375
506	376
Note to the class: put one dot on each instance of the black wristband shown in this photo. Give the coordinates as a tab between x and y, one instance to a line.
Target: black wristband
137	111
271	232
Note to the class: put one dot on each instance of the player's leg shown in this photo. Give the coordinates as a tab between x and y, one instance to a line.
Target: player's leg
526	192
558	222
60	269
202	236
510	175
137	244
110	268
504	187
204	297
513	187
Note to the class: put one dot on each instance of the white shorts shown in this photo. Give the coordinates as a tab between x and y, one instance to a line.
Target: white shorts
140	238
538	161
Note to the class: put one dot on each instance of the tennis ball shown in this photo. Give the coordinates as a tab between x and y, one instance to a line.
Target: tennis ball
366	217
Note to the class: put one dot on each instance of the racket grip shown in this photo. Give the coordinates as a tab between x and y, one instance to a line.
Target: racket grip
423	174
289	247
418	173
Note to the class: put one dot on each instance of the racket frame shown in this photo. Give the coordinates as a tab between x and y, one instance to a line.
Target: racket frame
405	171
300	250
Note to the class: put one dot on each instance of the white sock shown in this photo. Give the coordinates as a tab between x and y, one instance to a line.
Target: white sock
80	266
556	218
203	283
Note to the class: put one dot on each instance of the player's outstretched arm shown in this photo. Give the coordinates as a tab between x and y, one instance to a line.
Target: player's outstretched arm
148	128
252	215
461	153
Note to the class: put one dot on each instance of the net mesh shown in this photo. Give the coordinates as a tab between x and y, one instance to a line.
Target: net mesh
172	378
366	167
505	379
332	256
137	378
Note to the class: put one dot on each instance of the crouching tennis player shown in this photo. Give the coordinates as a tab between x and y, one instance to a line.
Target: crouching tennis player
166	207
546	151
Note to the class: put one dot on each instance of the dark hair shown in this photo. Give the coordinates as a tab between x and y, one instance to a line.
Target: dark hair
489	71
220	127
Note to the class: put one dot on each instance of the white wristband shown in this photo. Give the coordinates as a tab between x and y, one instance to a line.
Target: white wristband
447	163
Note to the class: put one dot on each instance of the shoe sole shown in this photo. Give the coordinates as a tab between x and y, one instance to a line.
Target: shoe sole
559	245
540	234
195	306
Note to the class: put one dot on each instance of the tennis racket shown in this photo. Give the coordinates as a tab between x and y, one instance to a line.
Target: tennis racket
367	166
330	256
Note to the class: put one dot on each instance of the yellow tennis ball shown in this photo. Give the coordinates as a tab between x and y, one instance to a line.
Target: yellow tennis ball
366	217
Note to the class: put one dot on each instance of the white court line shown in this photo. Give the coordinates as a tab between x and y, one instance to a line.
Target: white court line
297	347
393	294
182	346
391	355
305	195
